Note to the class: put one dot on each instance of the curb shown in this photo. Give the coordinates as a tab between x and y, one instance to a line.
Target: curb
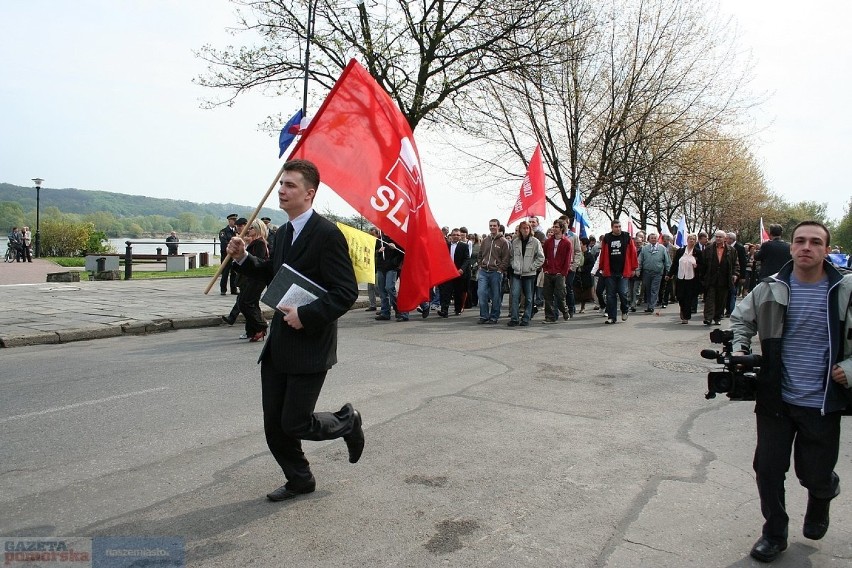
134	328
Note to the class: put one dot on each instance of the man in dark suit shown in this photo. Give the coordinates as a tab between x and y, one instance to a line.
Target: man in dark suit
720	273
739	279
225	236
774	253
302	343
457	287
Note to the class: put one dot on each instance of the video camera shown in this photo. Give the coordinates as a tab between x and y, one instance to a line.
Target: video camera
738	378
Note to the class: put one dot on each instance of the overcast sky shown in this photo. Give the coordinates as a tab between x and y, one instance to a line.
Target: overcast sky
98	95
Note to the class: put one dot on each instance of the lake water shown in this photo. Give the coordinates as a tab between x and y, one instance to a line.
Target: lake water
149	246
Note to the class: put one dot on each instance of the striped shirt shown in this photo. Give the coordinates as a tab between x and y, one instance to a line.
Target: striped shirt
804	346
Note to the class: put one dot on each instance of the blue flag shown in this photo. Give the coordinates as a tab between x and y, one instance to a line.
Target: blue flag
581	214
680	238
289	132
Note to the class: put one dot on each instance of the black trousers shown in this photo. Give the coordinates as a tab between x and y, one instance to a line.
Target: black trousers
455	289
687	295
815	442
228	275
715	302
288	418
249	304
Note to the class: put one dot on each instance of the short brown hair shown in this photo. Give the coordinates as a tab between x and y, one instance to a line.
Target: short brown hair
813	224
309	171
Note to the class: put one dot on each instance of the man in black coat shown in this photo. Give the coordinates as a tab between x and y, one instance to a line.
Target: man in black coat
225	236
302	344
720	273
774	253
457	287
738	279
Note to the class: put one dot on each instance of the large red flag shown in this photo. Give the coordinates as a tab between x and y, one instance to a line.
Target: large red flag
365	152
531	200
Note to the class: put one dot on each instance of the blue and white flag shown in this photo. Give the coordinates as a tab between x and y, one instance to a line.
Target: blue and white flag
680	238
581	214
289	132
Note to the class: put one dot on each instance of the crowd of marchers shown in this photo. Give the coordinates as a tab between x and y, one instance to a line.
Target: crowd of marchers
555	271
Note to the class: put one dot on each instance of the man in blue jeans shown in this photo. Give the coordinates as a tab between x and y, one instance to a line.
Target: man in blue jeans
493	260
618	262
388	262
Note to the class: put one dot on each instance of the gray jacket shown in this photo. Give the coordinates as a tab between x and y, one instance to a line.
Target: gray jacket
658	262
529	263
763	312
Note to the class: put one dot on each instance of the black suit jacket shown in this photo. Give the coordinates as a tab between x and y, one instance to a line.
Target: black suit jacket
462	256
741	259
321	253
719	274
773	254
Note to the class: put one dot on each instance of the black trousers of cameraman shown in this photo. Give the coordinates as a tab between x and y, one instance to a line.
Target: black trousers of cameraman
815	442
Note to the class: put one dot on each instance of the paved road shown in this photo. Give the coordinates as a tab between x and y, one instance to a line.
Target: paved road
575	444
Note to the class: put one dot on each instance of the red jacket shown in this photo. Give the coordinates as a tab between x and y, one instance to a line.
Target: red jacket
561	264
631	259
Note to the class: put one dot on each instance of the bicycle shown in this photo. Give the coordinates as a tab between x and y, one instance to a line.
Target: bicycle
11	253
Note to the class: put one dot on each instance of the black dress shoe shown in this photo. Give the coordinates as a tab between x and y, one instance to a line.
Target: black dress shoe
816	518
284	493
229	320
382	317
355	439
765	550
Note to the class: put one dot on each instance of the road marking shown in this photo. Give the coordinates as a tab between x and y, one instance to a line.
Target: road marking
79	404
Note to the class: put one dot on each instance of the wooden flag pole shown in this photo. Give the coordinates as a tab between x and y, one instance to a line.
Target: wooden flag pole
250	221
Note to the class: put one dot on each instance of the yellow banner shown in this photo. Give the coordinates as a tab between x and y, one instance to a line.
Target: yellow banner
362	252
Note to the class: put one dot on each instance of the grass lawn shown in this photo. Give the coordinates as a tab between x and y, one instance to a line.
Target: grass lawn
77	262
207	271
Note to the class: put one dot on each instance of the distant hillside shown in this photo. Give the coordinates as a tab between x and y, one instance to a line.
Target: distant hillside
83	202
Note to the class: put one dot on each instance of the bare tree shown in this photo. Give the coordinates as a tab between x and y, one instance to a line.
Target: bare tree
640	80
429	55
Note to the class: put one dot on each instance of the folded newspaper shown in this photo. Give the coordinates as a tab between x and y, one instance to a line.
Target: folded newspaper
291	288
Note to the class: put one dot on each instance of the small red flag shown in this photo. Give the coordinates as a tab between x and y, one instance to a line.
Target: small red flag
764	236
365	151
531	200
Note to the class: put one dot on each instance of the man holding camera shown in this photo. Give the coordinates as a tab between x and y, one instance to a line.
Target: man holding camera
804	319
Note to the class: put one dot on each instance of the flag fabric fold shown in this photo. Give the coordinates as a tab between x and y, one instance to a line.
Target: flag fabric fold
680	238
362	252
764	236
531	199
581	215
289	132
365	152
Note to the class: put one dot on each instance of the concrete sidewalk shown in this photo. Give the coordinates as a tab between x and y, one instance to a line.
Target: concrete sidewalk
34	312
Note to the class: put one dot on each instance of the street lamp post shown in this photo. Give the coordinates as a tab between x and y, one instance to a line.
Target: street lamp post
38	182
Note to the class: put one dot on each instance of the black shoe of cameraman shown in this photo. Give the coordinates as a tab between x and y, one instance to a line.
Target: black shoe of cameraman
765	550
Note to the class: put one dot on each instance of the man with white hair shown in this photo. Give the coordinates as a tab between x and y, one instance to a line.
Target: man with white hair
654	261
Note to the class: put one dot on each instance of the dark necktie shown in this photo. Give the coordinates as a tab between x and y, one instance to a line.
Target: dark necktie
288	238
